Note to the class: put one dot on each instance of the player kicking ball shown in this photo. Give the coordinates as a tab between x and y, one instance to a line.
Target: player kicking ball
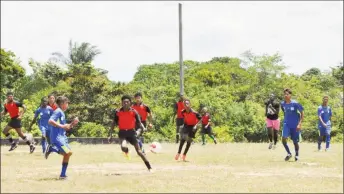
127	119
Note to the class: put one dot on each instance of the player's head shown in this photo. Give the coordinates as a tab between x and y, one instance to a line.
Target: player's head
138	97
44	102
126	102
181	97
51	98
325	100
287	94
272	96
187	104
62	102
9	96
204	110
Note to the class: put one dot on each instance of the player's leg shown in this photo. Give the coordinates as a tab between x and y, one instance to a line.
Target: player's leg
178	124
269	126
181	144
17	126
328	137
43	140
203	134
133	141
285	135
188	145
295	136
321	137
275	127
6	131
66	152
211	134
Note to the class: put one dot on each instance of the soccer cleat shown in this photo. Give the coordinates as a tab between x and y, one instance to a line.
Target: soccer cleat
177	157
63	177
203	144
14	145
184	157
270	145
296	158
127	155
215	141
288	157
326	149
47	152
32	148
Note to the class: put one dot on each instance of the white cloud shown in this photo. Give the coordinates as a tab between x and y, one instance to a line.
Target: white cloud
307	34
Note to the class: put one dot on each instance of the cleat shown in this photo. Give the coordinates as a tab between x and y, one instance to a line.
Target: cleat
177	157
47	152
32	148
14	145
215	141
126	155
63	177
183	158
296	158
151	170
270	145
288	157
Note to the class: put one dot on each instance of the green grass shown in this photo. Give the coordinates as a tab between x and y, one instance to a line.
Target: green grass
240	167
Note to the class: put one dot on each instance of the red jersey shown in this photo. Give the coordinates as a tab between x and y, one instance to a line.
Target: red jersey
142	109
191	118
179	106
53	106
13	108
206	119
127	120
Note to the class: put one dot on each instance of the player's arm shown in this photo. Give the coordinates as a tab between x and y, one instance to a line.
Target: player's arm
199	117
150	117
319	116
138	121
21	113
113	124
56	116
300	109
209	121
4	112
34	118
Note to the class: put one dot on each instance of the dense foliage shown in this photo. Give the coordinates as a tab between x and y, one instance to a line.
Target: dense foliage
233	89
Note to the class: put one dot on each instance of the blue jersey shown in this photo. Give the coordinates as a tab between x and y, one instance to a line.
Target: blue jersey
56	132
291	115
44	114
325	112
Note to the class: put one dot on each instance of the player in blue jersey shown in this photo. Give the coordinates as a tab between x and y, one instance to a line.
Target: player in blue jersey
324	124
292	123
58	138
44	111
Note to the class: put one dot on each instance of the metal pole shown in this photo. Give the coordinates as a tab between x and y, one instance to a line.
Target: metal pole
181	69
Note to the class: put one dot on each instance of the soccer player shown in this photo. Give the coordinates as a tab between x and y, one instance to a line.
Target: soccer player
292	123
178	107
12	107
52	102
272	107
58	137
206	126
324	124
44	112
191	120
144	112
127	119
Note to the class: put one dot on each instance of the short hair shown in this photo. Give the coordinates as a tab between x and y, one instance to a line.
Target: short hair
138	94
44	99
126	97
326	96
287	90
50	95
9	94
61	100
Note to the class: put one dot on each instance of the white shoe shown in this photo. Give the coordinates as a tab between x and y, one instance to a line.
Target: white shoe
270	145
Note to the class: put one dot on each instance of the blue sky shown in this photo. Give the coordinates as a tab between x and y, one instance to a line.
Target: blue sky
307	34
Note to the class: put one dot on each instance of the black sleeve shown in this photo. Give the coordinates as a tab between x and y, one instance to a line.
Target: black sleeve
115	119
19	104
175	107
5	109
137	117
199	117
148	109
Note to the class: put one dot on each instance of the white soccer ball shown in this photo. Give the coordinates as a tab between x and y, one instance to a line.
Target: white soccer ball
155	147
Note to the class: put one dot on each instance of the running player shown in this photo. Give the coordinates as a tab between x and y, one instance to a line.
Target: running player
127	119
178	107
12	107
44	112
272	108
52	102
144	112
324	123
206	126
292	123
191	120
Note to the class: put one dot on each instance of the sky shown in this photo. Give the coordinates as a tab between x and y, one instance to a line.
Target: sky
129	34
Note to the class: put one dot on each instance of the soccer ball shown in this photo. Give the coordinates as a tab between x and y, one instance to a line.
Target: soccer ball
29	137
155	147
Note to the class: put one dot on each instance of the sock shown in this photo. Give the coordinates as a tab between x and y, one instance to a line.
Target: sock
328	138
177	138
188	144
275	136
26	141
296	149
203	138
286	146
44	144
140	143
182	141
319	142
9	138
270	137
148	165
212	137
64	169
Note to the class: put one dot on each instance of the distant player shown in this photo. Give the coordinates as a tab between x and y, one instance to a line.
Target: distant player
58	137
44	112
12	107
127	119
324	123
191	120
144	112
272	107
178	107
206	126
52	102
292	123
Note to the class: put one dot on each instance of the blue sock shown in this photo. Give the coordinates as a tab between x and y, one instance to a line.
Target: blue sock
44	144
286	147
64	169
140	144
328	138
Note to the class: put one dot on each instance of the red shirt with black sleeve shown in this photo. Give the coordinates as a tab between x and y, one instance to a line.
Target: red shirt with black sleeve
191	118
179	107
13	108
127	120
143	110
205	119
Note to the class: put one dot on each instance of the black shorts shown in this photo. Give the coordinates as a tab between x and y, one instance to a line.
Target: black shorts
15	123
179	122
207	130
129	135
188	130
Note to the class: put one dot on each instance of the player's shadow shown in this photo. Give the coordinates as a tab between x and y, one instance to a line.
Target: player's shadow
113	174
48	179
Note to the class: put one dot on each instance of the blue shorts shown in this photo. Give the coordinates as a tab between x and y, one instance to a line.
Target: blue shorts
43	129
291	132
61	145
324	131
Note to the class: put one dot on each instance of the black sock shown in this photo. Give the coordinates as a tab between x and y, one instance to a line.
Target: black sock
188	144
275	136
182	141
148	165
177	138
9	138
296	149
26	141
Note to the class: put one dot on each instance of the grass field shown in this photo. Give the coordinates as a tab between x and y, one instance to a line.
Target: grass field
212	168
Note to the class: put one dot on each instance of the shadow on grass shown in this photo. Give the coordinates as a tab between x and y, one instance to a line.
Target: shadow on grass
49	179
